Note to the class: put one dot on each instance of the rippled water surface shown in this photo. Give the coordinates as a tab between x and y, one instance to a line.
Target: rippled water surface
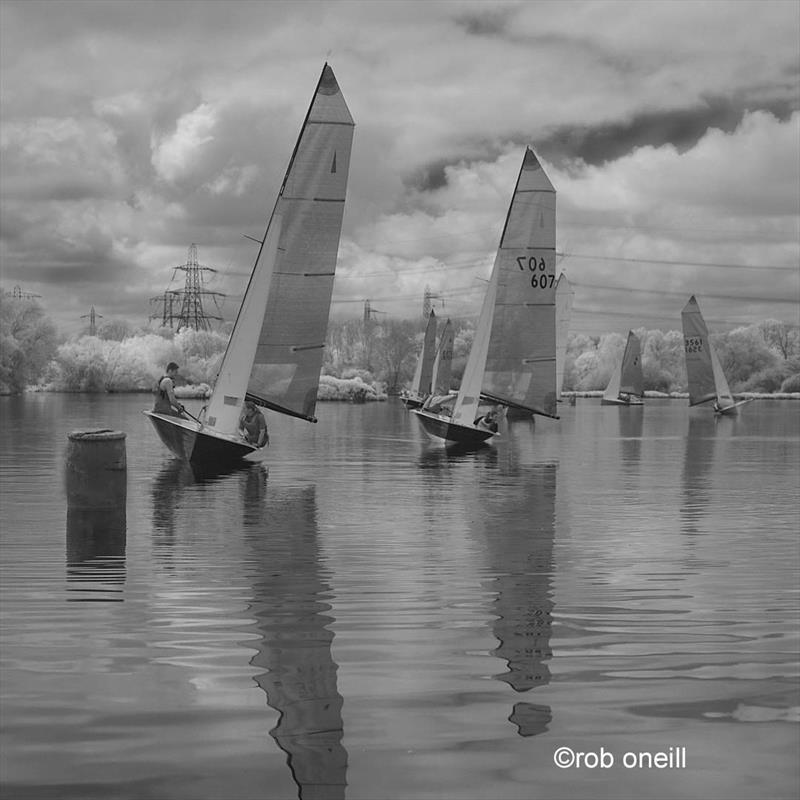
366	615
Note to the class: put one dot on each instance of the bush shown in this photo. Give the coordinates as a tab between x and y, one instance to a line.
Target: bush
791	384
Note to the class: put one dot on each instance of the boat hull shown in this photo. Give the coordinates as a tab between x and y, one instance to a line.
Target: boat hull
731	410
412	402
632	401
450	432
200	446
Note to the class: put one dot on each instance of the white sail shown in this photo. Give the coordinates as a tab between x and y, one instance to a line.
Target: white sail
521	360
724	396
564	297
443	364
612	390
423	374
703	370
465	409
287	301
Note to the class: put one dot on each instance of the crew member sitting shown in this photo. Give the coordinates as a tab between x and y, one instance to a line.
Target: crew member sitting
252	425
487	422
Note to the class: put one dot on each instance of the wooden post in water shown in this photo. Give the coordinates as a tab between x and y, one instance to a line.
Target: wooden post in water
97	488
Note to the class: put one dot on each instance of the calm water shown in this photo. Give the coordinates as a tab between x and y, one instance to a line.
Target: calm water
366	616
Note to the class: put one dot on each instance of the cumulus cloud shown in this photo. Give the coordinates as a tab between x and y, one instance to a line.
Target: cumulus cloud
176	155
671	134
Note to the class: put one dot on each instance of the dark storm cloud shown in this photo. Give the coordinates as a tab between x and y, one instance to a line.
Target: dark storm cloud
681	128
491	22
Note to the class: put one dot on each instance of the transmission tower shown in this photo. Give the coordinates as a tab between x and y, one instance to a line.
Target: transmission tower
190	298
18	294
167	314
92	317
369	311
426	303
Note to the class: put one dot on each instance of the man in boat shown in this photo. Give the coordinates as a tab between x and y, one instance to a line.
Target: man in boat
166	402
487	421
252	425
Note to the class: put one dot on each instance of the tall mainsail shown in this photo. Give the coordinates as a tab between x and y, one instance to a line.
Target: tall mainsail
294	271
520	365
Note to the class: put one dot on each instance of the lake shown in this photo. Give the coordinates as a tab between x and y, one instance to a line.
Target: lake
604	606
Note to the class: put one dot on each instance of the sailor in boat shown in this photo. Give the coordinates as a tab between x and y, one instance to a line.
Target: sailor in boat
440	404
252	425
166	402
487	422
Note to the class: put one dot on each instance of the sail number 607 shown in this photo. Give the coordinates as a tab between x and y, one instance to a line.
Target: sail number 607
536	266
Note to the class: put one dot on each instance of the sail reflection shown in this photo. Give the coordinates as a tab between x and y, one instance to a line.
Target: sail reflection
631	420
517	528
290	593
697	470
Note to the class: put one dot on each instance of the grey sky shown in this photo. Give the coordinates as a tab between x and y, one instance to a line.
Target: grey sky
670	130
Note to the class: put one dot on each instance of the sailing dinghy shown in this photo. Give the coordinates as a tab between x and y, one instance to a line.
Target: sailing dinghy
564	297
421	383
626	387
512	362
704	372
441	396
274	354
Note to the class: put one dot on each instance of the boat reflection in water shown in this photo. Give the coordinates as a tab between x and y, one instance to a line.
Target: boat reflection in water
698	470
517	531
290	593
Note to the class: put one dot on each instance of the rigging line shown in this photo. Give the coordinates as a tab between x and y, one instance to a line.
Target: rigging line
739	234
743	298
649	316
763	267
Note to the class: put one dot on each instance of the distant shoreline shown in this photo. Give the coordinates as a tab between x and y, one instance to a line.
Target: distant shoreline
203	392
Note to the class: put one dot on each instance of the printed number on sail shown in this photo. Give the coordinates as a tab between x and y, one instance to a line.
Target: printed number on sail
537	280
693	344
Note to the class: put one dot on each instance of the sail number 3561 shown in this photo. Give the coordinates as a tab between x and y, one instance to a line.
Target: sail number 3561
537	267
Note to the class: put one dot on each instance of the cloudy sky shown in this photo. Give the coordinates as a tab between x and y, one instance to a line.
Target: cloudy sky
671	131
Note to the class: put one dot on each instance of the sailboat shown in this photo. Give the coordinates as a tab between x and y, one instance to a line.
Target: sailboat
421	383
626	385
441	396
706	379
564	297
274	354
512	362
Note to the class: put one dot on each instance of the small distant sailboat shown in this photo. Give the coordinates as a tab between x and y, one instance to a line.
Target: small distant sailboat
441	396
274	354
422	382
512	362
706	379
626	387
564	297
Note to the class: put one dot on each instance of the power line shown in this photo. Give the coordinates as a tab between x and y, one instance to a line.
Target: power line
665	262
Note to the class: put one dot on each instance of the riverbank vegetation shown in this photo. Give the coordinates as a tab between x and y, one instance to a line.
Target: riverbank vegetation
363	360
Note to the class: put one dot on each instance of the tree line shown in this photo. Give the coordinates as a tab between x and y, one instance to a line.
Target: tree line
763	357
